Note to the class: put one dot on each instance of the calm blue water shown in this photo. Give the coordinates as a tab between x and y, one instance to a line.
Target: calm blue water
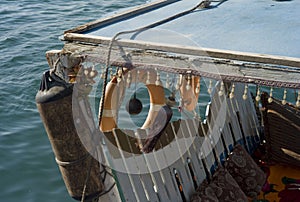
28	29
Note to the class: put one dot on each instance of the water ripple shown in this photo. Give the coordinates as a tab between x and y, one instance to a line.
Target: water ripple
28	29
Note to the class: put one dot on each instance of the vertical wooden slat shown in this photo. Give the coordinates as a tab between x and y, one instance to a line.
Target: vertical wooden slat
245	120
247	117
116	162
154	171
111	143
189	128
126	141
175	158
253	122
226	152
214	132
166	138
233	120
223	129
220	103
218	112
161	162
163	156
191	156
239	102
181	164
206	160
227	136
173	153
146	178
193	127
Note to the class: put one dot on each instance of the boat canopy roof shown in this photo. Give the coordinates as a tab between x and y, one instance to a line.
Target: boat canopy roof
257	26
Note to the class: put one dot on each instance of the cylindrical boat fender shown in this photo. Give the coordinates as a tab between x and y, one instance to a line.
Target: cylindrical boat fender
188	91
111	101
54	102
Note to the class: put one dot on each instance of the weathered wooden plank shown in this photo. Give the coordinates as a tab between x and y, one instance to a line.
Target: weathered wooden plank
249	132
203	129
146	176
190	152
228	129
224	137
237	103
243	120
227	135
139	186
215	68
196	148
115	159
146	180
190	132
248	119
204	150
125	140
162	161
253	122
111	143
172	155
126	186
226	142
208	114
165	138
181	165
148	185
159	184
235	128
191	161
216	122
213	109
127	143
185	142
170	185
155	172
189	50
216	142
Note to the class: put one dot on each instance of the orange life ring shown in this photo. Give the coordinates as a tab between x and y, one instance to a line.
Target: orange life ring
115	88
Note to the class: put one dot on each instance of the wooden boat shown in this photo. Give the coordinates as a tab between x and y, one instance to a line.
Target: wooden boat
204	66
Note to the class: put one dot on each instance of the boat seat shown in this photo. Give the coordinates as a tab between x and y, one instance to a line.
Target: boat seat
282	130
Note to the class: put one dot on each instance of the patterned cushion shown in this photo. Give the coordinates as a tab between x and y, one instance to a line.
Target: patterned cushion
226	188
222	188
204	193
245	171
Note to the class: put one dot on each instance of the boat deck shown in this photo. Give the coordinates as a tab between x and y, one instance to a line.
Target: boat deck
248	42
265	27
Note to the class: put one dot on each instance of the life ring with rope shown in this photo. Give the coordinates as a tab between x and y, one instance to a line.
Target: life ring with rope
117	85
115	89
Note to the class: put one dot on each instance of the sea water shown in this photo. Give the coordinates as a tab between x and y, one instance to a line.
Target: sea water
29	28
